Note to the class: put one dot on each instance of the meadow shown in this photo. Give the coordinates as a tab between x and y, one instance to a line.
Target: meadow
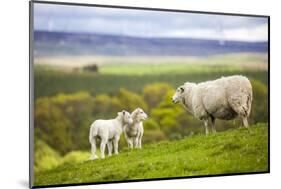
228	152
136	72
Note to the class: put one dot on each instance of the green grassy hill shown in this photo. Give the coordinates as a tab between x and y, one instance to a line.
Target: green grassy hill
232	151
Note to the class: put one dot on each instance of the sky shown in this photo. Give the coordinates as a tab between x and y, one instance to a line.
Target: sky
147	23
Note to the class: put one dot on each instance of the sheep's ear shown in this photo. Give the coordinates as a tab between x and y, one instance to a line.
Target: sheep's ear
123	111
182	89
119	113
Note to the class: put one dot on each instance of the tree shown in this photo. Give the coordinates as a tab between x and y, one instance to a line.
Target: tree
63	121
154	93
52	126
259	112
130	101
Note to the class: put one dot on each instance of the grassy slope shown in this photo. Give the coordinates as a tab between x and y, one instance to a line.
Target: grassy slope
233	151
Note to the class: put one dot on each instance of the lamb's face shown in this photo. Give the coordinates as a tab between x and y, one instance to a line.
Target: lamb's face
140	114
127	118
178	95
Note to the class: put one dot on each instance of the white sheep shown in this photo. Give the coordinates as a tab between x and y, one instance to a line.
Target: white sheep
134	132
109	132
226	98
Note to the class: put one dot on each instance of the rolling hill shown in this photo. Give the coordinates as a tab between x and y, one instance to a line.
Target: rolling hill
79	44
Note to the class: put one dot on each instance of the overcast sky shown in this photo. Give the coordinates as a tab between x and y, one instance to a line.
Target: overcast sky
144	23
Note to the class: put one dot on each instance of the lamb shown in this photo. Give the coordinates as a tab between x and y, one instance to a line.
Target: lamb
134	132
109	132
226	98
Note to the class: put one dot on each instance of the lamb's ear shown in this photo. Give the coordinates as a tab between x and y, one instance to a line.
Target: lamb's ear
123	112
182	89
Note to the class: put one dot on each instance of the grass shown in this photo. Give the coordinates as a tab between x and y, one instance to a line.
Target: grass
232	151
133	73
143	65
179	65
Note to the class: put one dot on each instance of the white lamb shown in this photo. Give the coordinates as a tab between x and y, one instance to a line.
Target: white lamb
109	132
134	132
225	98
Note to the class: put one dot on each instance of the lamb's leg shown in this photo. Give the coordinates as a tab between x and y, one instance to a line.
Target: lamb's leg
130	143
93	147
206	127
139	140
136	142
115	141
102	147
213	121
109	147
139	143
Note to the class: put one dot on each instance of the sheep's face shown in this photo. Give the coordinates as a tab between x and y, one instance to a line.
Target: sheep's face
178	94
139	114
126	117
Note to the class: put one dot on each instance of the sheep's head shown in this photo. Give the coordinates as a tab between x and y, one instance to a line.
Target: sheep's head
178	94
182	91
126	117
139	115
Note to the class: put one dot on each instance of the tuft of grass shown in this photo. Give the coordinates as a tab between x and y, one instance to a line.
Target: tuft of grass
232	151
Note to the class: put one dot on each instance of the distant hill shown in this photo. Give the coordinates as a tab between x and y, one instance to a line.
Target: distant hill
64	44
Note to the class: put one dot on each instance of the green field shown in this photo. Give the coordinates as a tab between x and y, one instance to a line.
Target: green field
232	151
53	76
51	82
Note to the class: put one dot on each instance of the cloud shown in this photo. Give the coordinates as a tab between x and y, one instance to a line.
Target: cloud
145	23
258	33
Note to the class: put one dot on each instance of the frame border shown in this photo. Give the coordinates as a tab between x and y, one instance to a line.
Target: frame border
31	96
31	91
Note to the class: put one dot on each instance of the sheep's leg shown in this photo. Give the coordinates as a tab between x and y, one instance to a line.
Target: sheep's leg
135	140
213	121
109	147
206	127
245	122
93	148
139	143
115	141
130	143
102	147
139	140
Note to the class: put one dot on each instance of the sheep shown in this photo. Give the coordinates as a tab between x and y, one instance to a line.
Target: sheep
109	131
226	98
134	132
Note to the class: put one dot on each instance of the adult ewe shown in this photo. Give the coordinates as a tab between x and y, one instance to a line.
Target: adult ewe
108	131
225	98
133	132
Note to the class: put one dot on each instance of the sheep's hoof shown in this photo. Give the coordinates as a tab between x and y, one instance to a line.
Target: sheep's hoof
94	157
